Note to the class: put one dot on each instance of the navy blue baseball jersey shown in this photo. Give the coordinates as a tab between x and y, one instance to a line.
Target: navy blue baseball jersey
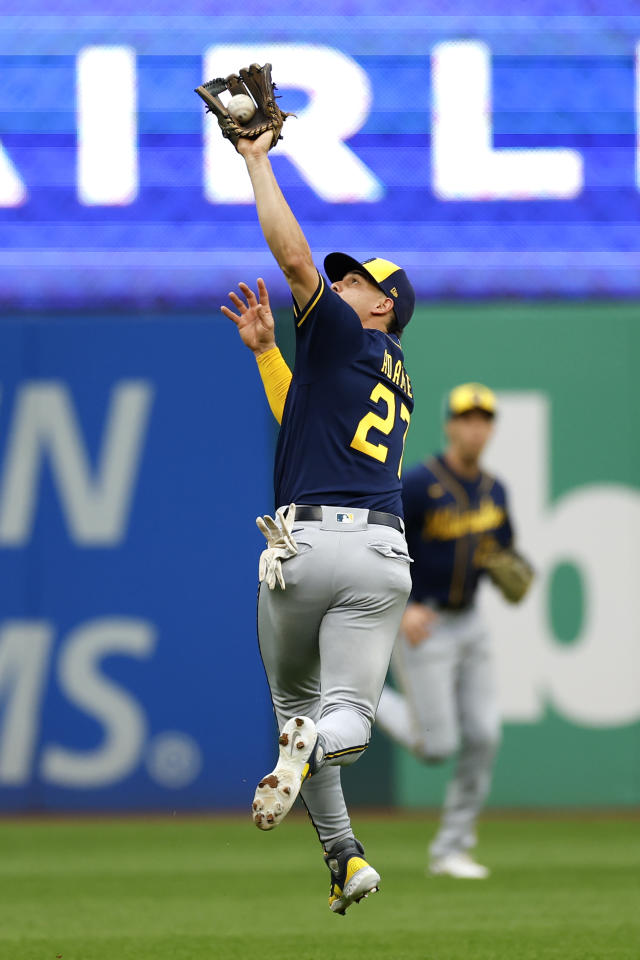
447	517
347	411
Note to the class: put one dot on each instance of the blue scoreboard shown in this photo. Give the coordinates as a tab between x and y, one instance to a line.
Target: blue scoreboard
489	153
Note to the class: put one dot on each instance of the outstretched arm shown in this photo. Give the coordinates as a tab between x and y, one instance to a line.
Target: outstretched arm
256	327
281	230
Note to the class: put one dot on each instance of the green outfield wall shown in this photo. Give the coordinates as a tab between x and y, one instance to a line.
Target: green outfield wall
567	445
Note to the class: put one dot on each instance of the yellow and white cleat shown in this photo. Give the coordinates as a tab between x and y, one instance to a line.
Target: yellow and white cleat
276	793
352	878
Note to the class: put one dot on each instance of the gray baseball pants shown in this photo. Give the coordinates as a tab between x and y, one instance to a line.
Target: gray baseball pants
326	641
448	702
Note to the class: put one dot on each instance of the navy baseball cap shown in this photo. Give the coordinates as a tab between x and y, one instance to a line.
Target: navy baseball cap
391	279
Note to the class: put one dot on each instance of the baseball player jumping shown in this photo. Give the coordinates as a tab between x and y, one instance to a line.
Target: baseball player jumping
458	528
335	573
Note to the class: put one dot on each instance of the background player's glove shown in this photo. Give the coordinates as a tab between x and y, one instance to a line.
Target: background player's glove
281	545
254	81
508	570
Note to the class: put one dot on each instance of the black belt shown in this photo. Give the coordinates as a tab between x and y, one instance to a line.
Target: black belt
374	516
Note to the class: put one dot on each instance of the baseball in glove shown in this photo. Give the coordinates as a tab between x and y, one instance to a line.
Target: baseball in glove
507	569
255	82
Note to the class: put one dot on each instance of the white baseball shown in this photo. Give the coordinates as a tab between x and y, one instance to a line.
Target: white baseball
241	108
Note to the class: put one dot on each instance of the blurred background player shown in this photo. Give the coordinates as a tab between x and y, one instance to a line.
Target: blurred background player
456	516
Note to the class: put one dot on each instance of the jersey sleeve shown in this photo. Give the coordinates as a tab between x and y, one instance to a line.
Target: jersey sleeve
328	332
276	380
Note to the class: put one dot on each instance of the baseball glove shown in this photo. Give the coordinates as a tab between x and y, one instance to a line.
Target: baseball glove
507	569
255	82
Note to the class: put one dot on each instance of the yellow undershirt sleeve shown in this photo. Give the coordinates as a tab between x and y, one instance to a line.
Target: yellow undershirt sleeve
276	378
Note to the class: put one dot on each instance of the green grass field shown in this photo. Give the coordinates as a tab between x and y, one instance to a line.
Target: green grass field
216	889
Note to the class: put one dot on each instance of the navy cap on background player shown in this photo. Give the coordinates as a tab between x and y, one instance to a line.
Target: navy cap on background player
470	396
391	279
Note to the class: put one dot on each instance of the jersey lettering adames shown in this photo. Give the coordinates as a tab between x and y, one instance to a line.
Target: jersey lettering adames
447	518
347	412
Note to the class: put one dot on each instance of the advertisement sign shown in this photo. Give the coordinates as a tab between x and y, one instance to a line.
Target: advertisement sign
134	458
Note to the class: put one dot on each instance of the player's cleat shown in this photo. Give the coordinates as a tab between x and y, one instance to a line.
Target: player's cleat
459	865
276	793
352	878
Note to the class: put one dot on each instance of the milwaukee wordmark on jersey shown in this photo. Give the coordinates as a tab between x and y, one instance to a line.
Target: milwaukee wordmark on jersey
447	518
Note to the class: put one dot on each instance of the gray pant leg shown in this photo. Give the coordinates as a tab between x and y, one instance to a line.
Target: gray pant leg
450	697
326	642
323	797
288	638
288	630
395	719
480	733
426	676
356	640
292	664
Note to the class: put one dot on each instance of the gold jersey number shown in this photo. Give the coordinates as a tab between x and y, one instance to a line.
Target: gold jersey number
370	421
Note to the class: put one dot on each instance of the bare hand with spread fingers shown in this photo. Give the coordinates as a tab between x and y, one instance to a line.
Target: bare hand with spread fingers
254	320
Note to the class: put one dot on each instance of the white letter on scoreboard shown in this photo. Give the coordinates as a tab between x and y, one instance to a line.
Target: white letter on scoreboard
314	140
107	126
465	165
13	192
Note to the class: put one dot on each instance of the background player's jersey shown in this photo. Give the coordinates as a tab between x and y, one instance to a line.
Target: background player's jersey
446	518
346	414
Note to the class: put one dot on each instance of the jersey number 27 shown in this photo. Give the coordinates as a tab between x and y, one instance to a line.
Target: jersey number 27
370	421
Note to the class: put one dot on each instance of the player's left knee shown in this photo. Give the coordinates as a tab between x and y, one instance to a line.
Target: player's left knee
481	740
435	750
